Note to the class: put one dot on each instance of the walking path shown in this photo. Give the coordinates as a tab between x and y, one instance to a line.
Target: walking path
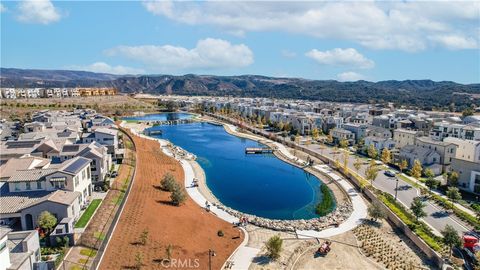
355	219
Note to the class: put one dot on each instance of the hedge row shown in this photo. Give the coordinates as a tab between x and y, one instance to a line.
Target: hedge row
473	221
420	228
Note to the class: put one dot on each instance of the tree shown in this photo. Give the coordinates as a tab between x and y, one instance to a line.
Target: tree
371	173
274	247
168	182
431	183
452	179
343	143
315	133
417	208
453	194
403	165
345	159
47	221
386	156
451	238
144	237
467	112
178	195
330	138
375	211
357	164
372	151
428	173
416	170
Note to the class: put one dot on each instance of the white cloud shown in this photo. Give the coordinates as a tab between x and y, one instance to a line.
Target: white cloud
2	8
402	25
350	76
288	54
102	67
37	11
341	57
208	54
456	42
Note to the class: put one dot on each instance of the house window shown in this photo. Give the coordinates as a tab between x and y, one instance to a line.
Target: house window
83	174
39	185
17	186
28	186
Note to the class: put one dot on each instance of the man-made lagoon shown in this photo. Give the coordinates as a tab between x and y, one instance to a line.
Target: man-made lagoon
159	117
260	185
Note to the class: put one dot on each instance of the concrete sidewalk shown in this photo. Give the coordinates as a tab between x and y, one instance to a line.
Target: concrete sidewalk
355	219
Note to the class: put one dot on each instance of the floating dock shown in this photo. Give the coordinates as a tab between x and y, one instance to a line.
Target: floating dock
152	132
258	150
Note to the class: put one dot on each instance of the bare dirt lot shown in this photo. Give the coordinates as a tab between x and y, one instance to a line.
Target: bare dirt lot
103	104
189	229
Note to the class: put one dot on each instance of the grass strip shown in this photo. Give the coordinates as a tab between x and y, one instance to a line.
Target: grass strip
82	222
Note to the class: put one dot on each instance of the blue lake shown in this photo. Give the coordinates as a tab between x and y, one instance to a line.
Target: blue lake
261	185
160	117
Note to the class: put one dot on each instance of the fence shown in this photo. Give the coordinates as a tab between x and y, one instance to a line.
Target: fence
103	246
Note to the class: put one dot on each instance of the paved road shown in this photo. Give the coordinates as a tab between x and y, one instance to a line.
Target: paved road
437	218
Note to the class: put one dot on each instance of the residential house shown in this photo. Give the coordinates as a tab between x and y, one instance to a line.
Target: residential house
97	153
429	158
379	143
58	188
404	137
446	150
339	134
19	250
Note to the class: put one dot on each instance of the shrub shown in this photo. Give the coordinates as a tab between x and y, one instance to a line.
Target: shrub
376	212
168	182
220	233
274	247
178	195
326	205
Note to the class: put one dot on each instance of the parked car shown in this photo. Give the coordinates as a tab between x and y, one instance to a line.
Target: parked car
389	173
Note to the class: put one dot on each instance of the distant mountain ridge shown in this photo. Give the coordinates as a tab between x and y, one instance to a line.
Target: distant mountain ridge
423	93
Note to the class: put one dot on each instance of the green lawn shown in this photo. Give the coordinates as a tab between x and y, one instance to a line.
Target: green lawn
82	222
88	252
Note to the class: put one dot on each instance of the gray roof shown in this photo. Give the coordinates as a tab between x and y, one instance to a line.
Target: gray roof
13	202
31	175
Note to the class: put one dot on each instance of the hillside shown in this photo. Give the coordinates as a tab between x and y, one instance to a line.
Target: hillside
422	93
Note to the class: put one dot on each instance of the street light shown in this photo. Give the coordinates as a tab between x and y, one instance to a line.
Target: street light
211	253
396	188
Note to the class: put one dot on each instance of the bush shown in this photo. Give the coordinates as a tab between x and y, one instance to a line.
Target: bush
326	205
178	195
168	182
274	247
220	233
376	212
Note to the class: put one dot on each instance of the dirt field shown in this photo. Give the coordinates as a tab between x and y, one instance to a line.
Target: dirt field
103	104
188	228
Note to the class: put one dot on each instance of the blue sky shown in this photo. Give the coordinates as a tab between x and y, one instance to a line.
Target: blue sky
328	40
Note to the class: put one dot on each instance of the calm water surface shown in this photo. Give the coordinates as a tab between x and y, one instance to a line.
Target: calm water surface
256	184
160	117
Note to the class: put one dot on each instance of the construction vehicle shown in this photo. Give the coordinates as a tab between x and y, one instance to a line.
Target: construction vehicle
324	248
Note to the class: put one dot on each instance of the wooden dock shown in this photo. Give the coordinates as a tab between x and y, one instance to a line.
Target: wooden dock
258	150
152	132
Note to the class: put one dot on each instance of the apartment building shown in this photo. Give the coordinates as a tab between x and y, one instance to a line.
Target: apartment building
404	137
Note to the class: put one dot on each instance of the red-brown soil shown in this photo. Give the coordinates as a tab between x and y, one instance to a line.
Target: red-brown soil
189	229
